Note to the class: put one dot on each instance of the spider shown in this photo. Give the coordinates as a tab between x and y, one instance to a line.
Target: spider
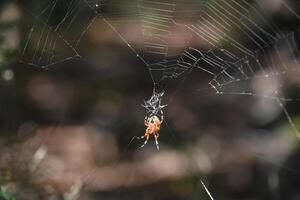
153	124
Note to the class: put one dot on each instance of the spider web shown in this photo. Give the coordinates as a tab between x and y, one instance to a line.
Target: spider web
232	42
241	46
58	30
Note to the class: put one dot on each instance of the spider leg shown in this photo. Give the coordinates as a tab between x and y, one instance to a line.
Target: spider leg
136	137
161	116
147	139
156	140
141	137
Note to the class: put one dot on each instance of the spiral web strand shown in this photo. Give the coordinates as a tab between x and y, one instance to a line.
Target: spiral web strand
55	37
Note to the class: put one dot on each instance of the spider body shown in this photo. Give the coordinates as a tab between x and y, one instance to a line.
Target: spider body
154	117
153	124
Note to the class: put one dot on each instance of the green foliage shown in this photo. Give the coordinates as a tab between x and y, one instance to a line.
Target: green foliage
5	195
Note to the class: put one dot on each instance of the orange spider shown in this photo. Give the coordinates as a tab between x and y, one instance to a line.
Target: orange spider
153	124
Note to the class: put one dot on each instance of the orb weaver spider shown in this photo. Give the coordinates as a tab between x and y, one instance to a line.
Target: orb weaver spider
153	124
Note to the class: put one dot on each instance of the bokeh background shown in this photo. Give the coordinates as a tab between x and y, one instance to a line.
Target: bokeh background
66	130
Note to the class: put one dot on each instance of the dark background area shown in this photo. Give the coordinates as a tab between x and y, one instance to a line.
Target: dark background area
66	129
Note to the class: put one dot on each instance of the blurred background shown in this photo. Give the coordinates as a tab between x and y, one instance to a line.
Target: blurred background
66	126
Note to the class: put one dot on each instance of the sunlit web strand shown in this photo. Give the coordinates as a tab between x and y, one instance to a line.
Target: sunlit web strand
50	37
